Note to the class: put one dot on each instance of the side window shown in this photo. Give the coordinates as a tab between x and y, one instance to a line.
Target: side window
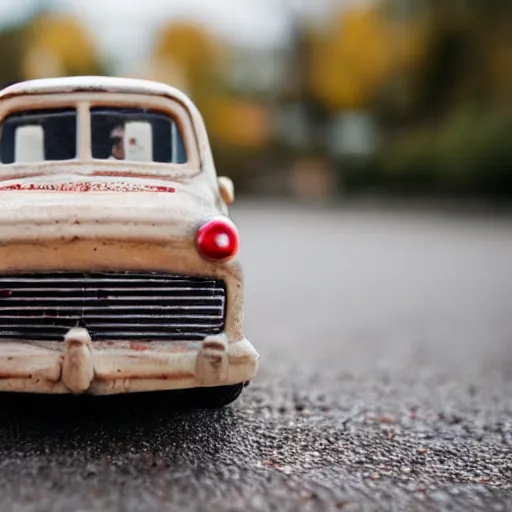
136	134
38	135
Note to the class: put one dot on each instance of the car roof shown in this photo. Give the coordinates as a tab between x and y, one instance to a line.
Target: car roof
105	84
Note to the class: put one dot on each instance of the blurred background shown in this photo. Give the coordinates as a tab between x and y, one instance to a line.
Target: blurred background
315	99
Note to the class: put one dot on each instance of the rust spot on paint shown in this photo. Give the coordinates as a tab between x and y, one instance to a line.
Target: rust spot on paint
15	375
138	346
163	376
100	186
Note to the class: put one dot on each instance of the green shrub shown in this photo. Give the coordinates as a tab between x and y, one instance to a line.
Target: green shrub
469	153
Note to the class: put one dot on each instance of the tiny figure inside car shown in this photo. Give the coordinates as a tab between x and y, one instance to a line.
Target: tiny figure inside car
119	265
117	137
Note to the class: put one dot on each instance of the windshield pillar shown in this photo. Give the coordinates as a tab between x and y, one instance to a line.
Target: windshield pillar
83	132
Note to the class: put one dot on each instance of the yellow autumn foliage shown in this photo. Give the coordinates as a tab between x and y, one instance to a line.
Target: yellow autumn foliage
58	44
499	58
187	56
352	59
191	48
165	70
239	123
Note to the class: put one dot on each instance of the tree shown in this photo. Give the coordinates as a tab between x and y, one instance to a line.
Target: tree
191	55
350	59
359	52
466	56
190	58
11	42
57	44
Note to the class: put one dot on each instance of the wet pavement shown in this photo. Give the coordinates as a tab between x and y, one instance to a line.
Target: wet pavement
385	384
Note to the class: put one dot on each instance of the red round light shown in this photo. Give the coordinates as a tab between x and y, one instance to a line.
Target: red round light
217	239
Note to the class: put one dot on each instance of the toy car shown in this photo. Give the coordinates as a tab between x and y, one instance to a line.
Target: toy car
118	259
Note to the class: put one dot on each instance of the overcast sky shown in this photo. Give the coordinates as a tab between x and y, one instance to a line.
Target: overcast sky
124	28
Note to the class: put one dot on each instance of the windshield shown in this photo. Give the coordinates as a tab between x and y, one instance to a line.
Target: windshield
38	135
132	134
135	134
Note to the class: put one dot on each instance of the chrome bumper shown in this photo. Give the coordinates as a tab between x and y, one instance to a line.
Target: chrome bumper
78	365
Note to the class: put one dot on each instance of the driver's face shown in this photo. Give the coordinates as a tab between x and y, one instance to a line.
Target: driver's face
117	136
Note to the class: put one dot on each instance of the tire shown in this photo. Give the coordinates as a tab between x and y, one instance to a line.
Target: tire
215	397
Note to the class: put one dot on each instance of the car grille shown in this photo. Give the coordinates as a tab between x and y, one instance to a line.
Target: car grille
112	306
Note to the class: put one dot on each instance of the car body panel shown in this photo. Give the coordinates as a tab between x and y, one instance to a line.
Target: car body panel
89	215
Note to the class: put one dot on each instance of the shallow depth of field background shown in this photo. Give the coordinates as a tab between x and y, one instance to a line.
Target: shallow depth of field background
370	144
320	100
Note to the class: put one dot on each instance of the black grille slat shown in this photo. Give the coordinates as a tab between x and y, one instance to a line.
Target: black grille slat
125	318
106	336
112	306
35	282
99	301
115	327
93	323
122	292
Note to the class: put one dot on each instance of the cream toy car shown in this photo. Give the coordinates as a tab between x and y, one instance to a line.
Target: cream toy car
118	259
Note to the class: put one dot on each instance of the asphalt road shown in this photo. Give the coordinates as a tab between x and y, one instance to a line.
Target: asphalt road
385	384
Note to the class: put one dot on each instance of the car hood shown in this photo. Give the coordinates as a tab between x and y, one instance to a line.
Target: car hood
71	207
